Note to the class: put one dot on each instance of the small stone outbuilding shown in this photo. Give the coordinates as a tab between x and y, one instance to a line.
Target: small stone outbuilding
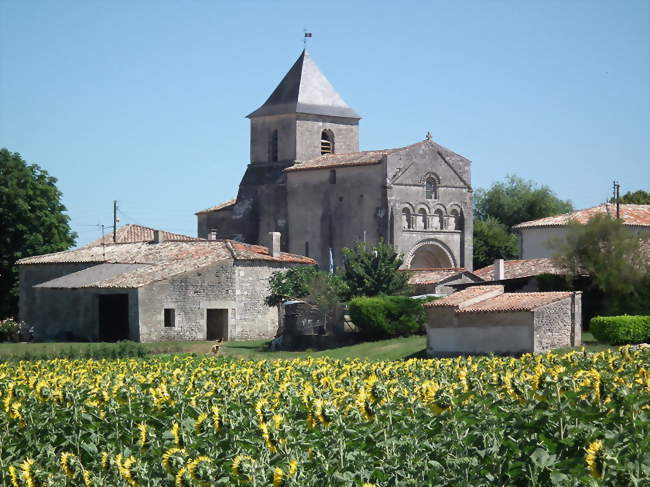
153	291
484	319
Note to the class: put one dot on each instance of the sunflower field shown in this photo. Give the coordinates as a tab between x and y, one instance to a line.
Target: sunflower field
572	419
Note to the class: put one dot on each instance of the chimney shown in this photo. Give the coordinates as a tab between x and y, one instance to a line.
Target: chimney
499	270
274	243
157	236
212	235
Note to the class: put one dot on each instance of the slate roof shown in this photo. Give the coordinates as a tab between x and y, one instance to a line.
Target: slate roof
434	276
137	233
304	89
222	206
515	269
156	261
348	159
515	302
635	215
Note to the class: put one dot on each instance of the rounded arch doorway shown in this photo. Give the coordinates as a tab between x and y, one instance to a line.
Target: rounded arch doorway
430	254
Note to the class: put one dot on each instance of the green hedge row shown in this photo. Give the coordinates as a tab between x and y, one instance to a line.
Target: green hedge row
387	316
620	330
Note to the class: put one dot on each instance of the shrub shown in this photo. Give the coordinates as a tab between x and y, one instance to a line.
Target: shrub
9	329
619	330
387	316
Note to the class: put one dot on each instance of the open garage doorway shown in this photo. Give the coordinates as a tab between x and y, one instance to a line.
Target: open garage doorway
113	317
216	324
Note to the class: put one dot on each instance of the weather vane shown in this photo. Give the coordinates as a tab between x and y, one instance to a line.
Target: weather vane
307	36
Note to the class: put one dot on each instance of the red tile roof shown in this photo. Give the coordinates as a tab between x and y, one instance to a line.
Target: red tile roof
515	269
347	159
433	276
137	233
162	260
469	294
221	206
635	215
514	302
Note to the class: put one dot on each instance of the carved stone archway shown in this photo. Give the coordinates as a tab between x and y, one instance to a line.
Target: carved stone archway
429	253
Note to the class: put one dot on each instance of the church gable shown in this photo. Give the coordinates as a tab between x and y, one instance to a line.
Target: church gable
428	161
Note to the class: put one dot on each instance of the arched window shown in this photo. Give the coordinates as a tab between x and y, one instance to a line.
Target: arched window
431	189
273	146
422	219
406	219
438	219
327	142
455	220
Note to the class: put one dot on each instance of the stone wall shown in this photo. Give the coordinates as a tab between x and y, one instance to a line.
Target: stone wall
190	295
558	324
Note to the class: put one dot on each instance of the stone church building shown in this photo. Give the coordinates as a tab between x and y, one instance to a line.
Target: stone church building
307	180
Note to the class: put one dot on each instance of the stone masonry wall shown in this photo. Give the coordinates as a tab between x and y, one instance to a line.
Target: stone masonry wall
553	326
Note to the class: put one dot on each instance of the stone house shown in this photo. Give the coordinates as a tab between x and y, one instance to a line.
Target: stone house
156	290
308	180
536	234
485	319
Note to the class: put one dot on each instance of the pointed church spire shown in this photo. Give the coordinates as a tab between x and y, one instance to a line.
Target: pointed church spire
304	89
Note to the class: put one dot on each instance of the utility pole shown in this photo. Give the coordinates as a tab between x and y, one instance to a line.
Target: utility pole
617	199
114	221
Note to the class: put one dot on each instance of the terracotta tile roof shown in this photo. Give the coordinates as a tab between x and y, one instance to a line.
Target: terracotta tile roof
515	269
469	294
433	276
163	260
635	215
514	302
222	206
347	159
137	233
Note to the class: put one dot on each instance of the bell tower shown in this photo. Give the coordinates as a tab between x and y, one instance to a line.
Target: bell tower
303	118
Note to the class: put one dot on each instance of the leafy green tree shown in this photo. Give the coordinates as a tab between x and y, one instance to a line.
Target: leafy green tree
372	270
503	205
33	221
304	282
492	240
517	200
639	197
612	257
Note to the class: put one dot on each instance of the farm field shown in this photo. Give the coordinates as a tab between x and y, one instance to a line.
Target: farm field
572	419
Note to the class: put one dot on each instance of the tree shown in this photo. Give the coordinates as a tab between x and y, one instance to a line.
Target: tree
639	197
372	270
304	282
516	201
503	205
33	221
492	240
612	257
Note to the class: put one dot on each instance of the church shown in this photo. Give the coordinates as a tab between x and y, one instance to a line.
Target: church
308	181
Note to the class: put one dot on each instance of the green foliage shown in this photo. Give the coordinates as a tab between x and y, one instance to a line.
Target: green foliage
516	201
9	329
506	204
372	270
639	197
605	250
387	316
304	282
493	240
620	330
33	221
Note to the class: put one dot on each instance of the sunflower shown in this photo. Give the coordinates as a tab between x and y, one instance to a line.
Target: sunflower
594	459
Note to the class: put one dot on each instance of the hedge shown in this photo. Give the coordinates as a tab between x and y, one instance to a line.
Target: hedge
387	316
620	330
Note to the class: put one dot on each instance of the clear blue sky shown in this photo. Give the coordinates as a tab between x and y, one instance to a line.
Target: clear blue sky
144	101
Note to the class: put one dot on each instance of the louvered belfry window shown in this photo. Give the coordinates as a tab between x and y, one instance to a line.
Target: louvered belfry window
326	142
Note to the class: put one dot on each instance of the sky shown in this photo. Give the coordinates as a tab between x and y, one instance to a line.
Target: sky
144	102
